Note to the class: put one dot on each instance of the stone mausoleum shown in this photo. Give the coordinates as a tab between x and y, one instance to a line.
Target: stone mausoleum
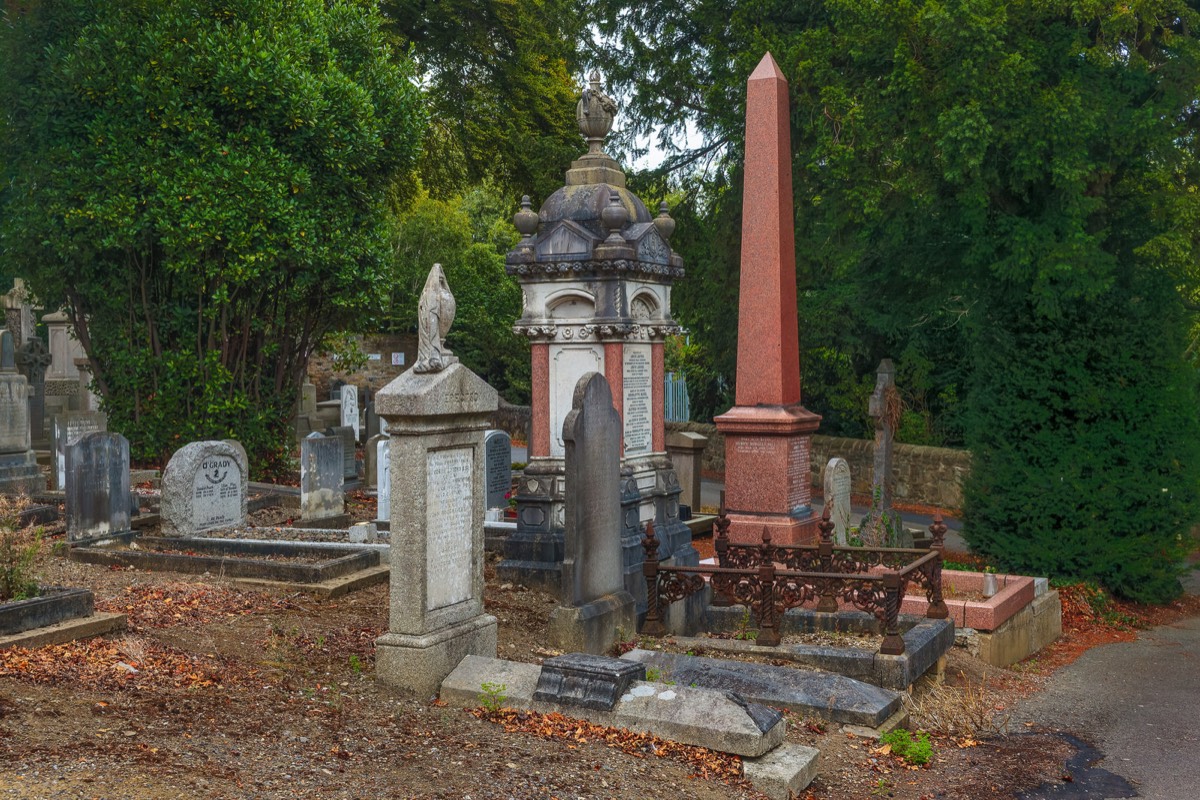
595	269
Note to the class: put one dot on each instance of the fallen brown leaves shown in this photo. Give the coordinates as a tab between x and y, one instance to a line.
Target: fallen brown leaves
705	763
129	663
166	605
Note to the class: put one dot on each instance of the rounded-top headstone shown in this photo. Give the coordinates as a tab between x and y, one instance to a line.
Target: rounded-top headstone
204	489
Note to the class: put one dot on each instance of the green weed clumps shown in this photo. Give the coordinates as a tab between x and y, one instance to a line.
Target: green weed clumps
916	750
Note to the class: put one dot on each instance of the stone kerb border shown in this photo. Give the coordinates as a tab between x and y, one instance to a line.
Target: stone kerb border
226	470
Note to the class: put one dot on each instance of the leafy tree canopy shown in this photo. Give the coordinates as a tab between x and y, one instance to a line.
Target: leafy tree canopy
202	185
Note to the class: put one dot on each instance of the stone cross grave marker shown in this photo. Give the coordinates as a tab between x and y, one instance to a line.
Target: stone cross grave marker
321	493
34	359
69	428
97	486
881	399
497	458
595	602
383	497
203	489
837	496
349	398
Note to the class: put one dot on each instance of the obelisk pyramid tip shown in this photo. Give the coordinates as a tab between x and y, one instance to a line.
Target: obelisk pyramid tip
767	69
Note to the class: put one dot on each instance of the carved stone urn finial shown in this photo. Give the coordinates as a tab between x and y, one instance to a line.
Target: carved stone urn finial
526	220
595	114
614	216
663	222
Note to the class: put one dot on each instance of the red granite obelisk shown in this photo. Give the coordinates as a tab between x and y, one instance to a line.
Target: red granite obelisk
768	433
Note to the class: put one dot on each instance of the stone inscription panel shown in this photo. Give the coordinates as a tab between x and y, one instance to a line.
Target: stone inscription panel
798	474
449	483
637	399
568	363
498	455
217	493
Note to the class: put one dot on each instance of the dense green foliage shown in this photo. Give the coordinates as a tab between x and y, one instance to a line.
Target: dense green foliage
203	185
1002	197
502	85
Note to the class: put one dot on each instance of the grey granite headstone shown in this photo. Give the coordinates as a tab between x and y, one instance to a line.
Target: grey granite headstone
586	680
497	458
348	438
881	477
349	398
97	486
204	489
837	496
321	492
596	605
383	456
371	461
69	428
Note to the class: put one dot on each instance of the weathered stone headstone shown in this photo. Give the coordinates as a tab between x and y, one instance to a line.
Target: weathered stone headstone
437	413
349	398
308	398
69	428
321	493
880	409
596	603
19	472
349	457
371	461
383	496
33	359
97	486
837	496
203	489
686	449
372	420
498	462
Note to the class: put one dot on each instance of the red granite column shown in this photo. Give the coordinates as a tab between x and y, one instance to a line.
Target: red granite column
615	375
658	428
539	401
768	433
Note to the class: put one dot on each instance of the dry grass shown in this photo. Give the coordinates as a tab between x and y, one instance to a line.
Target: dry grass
966	709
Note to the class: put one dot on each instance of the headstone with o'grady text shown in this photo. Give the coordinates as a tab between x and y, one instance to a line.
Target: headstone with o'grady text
349	398
97	487
69	428
837	496
321	483
204	489
497	446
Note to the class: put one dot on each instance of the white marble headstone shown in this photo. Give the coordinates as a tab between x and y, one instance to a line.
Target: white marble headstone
837	494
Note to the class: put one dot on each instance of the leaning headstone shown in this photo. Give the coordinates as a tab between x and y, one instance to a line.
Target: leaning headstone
69	428
837	496
349	398
33	358
383	496
437	413
349	456
97	487
203	489
497	447
321	493
371	461
595	602
19	472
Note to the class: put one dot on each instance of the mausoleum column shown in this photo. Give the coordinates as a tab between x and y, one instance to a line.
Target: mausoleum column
658	430
539	434
614	373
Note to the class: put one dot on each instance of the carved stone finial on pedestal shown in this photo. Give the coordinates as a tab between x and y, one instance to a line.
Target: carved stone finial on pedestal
595	113
663	222
435	315
526	220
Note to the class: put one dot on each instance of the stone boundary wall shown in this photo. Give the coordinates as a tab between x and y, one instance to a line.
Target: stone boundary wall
923	475
513	420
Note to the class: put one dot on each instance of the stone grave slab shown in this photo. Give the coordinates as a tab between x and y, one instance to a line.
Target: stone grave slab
834	697
204	489
497	447
586	680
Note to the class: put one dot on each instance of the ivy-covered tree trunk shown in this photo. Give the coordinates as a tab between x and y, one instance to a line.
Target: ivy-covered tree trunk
203	186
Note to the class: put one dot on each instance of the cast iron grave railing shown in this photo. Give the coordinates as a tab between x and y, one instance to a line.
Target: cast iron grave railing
769	579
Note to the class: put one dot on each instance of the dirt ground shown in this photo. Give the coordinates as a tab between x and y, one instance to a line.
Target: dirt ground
219	692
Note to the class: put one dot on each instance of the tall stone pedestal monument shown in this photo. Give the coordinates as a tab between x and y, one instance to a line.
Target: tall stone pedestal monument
19	473
768	434
596	269
437	414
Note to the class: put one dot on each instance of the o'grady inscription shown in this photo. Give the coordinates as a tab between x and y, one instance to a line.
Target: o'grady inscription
204	488
216	493
449	483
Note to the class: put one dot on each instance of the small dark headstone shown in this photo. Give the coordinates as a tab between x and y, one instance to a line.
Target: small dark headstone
497	447
97	486
349	438
587	681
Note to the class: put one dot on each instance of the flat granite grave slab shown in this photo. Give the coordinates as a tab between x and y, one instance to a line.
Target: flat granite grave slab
811	692
709	718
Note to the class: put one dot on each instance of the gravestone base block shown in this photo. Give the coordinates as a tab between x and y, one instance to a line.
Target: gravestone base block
784	529
594	627
419	663
19	474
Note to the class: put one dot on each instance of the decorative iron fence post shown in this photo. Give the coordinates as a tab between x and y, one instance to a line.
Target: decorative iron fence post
893	642
653	626
768	623
720	597
828	601
937	604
